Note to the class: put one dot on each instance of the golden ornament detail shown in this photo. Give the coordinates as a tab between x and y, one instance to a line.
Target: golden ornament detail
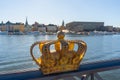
63	58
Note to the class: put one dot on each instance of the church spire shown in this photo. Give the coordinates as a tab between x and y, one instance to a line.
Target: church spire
62	27
26	23
63	23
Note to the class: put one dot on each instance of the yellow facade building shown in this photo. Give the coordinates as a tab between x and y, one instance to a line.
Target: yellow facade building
8	26
18	26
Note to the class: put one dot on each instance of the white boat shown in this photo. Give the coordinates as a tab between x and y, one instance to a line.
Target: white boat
33	33
3	32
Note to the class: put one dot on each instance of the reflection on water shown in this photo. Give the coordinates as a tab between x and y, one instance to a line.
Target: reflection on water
15	55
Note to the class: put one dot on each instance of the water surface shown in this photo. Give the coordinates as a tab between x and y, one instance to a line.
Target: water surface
15	49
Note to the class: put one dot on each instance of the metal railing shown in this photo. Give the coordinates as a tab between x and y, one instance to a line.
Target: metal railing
86	71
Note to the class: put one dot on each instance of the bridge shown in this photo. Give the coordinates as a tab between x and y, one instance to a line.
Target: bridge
86	71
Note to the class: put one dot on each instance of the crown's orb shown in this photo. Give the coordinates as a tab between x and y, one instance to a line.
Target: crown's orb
60	35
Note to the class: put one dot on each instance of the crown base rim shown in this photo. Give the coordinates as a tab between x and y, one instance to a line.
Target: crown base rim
59	69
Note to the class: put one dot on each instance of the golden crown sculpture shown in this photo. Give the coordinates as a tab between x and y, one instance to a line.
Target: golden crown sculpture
63	59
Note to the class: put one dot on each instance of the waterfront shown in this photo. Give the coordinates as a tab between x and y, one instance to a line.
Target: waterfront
15	55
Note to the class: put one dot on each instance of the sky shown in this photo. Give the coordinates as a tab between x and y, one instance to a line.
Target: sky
55	11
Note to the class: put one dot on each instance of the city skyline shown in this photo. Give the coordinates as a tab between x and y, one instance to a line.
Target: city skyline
55	11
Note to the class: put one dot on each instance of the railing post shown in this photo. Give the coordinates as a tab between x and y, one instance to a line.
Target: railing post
85	77
92	76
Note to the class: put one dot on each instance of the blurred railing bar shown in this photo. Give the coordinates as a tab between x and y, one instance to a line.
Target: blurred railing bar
87	69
